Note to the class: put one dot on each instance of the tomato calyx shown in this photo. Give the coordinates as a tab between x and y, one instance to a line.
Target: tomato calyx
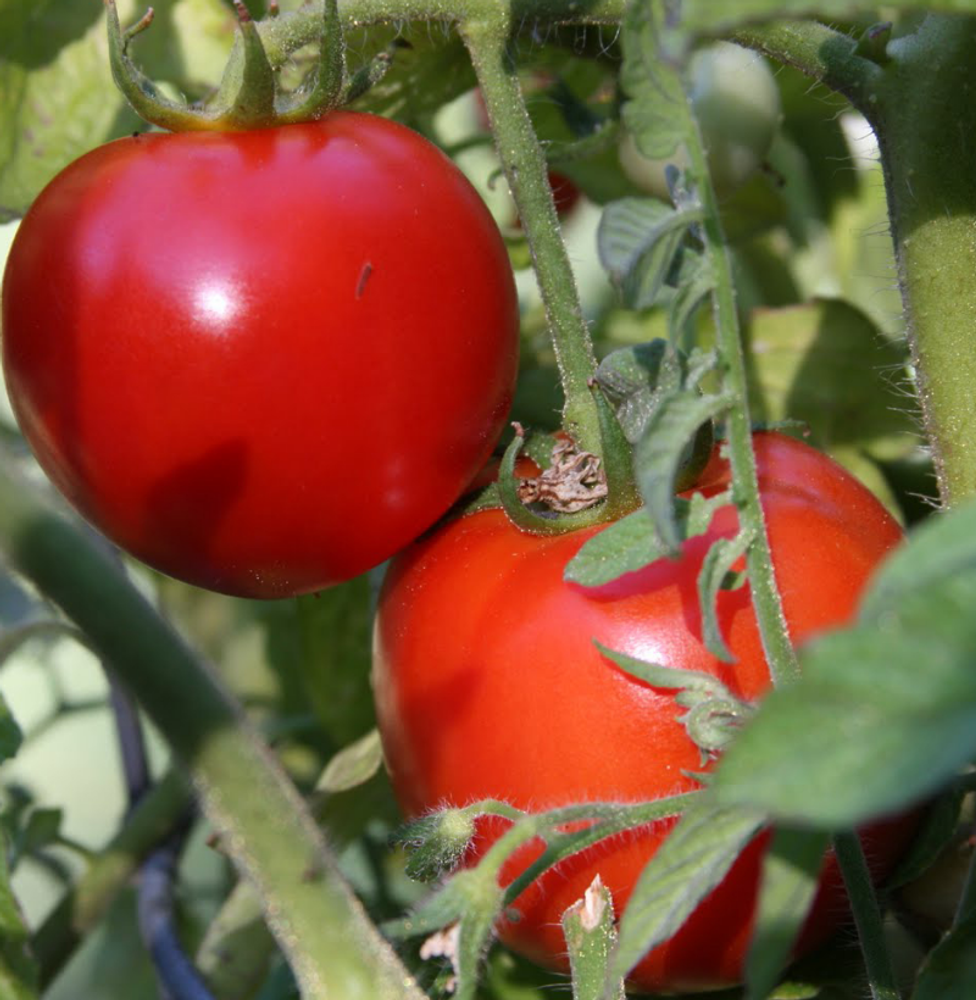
714	714
573	481
249	96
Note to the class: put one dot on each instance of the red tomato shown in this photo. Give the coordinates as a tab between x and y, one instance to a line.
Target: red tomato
488	685
264	361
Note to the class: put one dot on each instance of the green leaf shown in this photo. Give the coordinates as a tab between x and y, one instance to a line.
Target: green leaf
791	871
695	283
336	637
939	829
588	927
690	863
11	736
636	379
429	68
659	455
826	364
638	241
353	765
885	711
18	970
655	115
949	972
697	683
632	543
43	829
57	97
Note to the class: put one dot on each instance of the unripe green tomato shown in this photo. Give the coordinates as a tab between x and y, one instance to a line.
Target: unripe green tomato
737	105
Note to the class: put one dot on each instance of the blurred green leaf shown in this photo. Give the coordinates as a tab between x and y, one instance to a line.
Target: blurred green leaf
430	68
885	711
336	637
791	870
826	364
690	863
949	972
57	97
18	970
10	734
353	765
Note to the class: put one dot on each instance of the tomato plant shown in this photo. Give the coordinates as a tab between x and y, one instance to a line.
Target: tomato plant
266	358
529	711
245	377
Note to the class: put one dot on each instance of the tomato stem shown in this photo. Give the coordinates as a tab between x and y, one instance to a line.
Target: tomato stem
867	916
780	655
333	947
524	163
109	873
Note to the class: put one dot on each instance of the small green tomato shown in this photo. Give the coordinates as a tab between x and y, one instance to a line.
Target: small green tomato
737	104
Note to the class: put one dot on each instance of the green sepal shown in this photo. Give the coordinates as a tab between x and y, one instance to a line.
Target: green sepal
618	462
712	577
715	715
254	102
630	544
663	451
248	96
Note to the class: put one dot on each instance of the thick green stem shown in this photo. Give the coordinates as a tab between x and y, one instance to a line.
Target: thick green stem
867	916
924	115
524	164
818	51
334	949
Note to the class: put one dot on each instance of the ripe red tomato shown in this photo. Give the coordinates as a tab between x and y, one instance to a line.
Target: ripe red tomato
488	685
263	361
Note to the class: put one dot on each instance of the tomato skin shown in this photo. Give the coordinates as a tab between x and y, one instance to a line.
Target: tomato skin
265	361
488	685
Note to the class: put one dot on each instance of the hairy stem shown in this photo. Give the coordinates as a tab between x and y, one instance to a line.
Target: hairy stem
867	916
780	655
524	164
334	949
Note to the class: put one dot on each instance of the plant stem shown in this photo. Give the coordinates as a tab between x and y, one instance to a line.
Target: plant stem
108	874
524	163
867	916
817	51
925	118
334	949
780	655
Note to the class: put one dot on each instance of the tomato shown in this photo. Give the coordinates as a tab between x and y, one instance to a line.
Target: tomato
261	362
737	104
488	685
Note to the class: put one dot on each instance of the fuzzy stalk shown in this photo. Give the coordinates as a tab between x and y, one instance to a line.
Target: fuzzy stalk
265	827
924	116
523	160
